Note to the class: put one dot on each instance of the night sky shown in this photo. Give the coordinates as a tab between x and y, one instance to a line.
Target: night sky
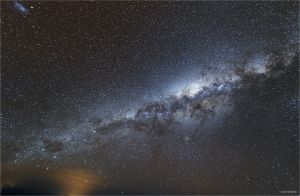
149	97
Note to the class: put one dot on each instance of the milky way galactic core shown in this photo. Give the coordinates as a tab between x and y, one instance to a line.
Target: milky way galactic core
150	97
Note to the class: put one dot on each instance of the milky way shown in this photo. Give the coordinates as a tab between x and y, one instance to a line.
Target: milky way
150	98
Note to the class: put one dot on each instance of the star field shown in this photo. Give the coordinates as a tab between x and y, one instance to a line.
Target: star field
149	97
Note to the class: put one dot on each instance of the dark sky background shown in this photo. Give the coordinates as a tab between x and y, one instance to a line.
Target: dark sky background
150	97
